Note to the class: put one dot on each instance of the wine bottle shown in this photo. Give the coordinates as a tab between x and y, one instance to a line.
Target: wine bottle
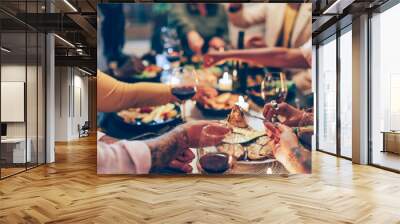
242	67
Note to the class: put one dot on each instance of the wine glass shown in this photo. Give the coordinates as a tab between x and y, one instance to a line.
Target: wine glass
209	159
183	82
274	87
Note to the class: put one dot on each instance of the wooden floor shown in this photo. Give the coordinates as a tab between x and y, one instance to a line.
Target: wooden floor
69	191
386	159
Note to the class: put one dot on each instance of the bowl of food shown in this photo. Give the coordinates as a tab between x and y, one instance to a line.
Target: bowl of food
212	103
132	122
151	73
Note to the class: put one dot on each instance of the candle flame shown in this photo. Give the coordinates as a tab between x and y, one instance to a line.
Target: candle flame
242	103
234	73
225	76
269	170
173	80
241	100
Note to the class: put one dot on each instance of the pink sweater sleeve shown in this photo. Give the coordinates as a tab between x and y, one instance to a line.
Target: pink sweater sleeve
123	157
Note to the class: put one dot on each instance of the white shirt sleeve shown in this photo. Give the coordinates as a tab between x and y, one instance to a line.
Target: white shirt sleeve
306	49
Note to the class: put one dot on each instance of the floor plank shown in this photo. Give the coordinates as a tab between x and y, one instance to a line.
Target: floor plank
69	191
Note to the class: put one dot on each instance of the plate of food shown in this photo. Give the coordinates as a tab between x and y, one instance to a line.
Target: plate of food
151	73
131	122
210	102
246	145
250	150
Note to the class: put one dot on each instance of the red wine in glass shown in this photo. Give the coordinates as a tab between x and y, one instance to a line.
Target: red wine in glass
209	159
184	92
215	162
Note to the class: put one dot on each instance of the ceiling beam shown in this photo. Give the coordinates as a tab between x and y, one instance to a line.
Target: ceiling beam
78	61
84	24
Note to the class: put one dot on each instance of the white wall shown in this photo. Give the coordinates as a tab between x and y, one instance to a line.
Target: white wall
71	94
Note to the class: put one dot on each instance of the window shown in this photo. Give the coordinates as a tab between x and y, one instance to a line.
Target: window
346	93
385	89
22	77
327	96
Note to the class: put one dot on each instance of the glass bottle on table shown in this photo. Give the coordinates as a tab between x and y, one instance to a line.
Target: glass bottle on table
183	82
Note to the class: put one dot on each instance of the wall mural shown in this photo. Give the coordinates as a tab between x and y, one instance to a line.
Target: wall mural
204	88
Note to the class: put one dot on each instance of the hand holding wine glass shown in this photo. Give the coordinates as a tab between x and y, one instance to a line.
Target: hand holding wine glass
286	114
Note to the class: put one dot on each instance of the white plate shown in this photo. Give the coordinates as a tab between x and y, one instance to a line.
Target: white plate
253	162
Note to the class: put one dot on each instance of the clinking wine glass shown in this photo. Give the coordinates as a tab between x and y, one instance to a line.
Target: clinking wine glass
210	160
274	90
274	87
183	82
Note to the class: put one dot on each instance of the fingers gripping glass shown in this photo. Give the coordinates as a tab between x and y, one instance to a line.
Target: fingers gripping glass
210	160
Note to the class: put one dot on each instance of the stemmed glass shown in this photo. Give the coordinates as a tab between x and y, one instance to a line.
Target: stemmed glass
274	87
183	82
210	160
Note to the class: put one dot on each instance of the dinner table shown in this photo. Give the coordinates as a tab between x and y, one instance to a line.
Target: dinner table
192	112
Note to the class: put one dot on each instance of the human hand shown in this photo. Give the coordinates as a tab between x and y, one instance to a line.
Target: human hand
255	42
203	93
234	7
287	114
283	136
131	66
195	41
212	58
303	81
287	149
216	43
287	141
173	149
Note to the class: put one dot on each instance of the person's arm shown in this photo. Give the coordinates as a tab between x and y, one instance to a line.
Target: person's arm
288	150
139	157
297	160
123	157
270	57
306	50
224	26
113	95
185	28
245	17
